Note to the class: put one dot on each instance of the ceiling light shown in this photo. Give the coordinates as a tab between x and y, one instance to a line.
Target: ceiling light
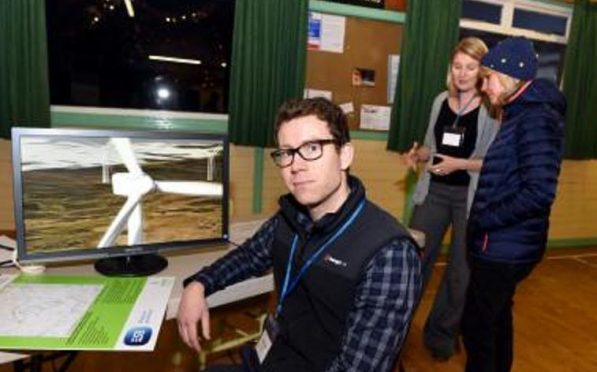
163	93
129	8
175	60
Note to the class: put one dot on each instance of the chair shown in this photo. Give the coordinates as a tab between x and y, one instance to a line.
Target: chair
233	331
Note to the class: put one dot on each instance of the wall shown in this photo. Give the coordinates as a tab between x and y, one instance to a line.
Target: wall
572	221
6	205
241	182
575	209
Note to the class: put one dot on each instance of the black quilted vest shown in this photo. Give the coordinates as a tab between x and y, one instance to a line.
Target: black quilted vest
315	313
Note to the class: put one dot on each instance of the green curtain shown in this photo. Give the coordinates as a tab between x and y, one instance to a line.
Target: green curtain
24	89
430	33
580	83
268	65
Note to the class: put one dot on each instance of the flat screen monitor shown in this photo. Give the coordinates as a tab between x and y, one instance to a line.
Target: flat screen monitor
118	197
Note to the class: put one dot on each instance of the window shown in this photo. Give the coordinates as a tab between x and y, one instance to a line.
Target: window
545	24
480	11
150	54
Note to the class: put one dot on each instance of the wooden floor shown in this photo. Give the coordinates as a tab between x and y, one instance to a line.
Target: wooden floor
555	319
555	327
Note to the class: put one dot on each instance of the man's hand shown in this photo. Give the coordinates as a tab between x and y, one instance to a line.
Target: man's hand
192	309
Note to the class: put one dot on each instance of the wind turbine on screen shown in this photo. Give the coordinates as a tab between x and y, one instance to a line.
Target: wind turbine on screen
135	184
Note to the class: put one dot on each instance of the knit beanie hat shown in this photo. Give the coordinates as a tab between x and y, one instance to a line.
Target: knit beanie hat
514	57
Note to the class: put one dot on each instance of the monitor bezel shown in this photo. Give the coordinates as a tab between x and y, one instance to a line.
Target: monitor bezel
117	251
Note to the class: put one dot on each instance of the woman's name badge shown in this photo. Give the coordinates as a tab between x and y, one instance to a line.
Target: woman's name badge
453	136
268	337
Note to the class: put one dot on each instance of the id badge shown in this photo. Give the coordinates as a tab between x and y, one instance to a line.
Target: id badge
268	337
453	136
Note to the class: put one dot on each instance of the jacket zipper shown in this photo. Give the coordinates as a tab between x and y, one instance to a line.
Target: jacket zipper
485	242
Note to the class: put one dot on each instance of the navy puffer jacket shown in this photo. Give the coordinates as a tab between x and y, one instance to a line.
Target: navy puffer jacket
510	213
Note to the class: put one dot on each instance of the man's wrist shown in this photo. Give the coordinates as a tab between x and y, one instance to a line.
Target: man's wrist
196	286
195	279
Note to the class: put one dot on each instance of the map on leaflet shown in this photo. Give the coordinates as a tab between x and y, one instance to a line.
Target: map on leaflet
61	308
82	312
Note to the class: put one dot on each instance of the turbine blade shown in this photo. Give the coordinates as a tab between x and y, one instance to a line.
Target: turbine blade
125	150
119	221
191	188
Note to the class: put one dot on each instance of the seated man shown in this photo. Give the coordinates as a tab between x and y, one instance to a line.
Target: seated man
347	273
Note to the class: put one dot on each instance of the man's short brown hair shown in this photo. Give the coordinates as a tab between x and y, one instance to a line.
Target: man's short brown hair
323	109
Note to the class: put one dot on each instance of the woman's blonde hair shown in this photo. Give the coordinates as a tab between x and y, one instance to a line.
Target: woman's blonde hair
472	47
511	85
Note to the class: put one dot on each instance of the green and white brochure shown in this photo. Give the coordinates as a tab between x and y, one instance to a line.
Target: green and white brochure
51	312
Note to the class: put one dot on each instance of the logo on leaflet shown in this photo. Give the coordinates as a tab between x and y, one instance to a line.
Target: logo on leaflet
137	336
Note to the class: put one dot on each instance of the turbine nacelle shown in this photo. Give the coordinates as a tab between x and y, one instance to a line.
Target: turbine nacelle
126	184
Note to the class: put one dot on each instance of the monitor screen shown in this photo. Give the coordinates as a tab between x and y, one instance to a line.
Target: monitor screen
120	196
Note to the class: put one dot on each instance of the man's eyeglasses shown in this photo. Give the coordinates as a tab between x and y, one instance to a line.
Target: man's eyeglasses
309	151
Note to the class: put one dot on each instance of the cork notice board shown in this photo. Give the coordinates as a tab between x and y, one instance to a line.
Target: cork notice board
367	45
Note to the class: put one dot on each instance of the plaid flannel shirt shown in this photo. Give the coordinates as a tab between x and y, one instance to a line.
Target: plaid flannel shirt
385	300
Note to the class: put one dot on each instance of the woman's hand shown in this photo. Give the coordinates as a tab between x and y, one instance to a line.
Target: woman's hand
411	158
447	165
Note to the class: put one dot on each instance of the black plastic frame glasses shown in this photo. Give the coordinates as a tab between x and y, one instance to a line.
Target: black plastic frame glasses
309	151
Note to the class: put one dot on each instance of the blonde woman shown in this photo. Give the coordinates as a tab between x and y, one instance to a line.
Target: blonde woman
458	135
509	217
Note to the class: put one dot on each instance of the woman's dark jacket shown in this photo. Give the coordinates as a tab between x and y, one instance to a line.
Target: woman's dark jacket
509	217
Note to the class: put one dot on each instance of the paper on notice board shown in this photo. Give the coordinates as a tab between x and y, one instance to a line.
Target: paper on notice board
326	32
347	108
375	117
393	65
312	93
314	31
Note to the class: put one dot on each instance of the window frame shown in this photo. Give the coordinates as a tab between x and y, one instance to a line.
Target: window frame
505	27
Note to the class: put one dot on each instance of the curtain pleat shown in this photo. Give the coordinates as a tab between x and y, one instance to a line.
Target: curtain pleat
580	83
430	33
24	86
268	65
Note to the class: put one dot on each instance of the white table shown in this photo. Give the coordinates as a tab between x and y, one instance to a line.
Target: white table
11	357
181	264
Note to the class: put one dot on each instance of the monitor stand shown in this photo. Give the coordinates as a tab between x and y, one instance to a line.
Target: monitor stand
137	265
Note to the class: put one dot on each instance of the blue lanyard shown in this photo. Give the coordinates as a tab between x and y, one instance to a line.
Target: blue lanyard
289	287
461	110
